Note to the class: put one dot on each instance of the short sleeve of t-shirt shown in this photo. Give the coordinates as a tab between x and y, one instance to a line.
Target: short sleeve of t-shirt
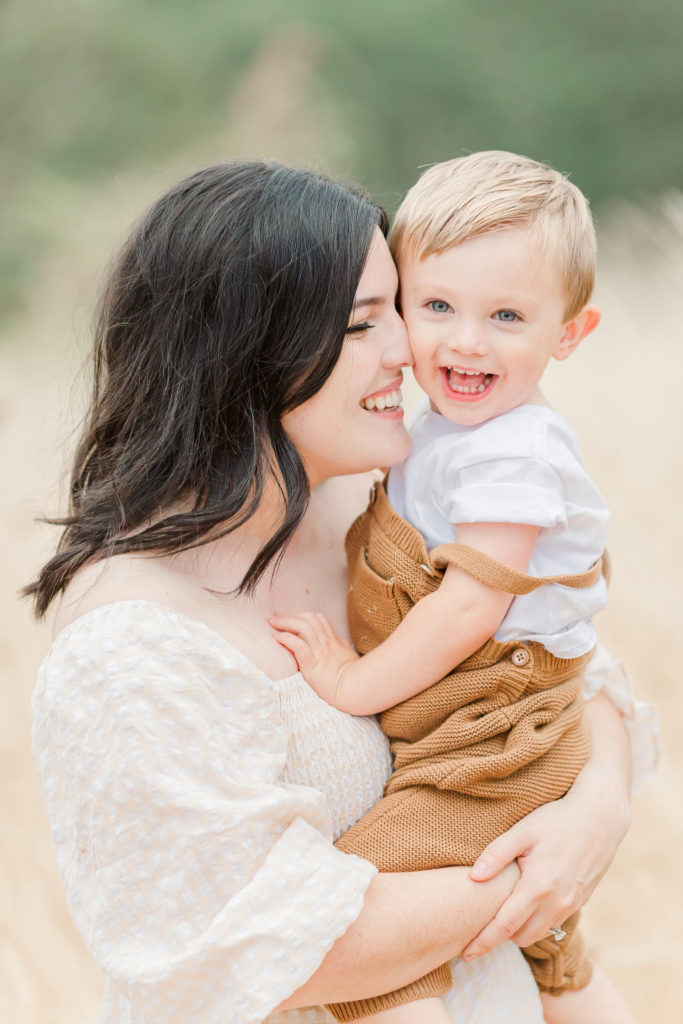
508	470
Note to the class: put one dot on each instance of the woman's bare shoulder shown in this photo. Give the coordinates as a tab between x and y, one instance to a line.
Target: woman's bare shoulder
123	578
162	581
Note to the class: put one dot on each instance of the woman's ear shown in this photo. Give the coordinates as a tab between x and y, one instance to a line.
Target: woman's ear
576	330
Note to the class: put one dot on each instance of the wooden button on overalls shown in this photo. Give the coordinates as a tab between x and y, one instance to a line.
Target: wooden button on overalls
520	657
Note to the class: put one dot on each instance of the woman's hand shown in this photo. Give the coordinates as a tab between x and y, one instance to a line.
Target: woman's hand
563	848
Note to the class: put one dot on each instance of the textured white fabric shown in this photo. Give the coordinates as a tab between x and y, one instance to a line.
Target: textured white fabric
192	803
523	466
607	675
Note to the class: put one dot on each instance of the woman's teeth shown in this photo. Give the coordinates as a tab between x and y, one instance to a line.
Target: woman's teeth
477	381
388	400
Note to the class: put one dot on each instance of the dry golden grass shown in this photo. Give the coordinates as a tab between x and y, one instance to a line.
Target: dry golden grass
622	393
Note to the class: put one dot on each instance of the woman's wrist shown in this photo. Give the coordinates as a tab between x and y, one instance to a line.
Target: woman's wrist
603	795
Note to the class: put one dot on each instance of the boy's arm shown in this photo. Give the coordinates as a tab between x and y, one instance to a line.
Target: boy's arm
437	634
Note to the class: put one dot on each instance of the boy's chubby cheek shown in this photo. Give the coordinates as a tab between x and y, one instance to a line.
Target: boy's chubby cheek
422	340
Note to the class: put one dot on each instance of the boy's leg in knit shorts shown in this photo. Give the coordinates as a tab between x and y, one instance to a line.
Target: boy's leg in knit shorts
424	1011
406	815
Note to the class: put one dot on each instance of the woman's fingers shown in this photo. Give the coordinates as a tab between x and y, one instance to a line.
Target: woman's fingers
517	909
507	923
550	888
538	926
503	850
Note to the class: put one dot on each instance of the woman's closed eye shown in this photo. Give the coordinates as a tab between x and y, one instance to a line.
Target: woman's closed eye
360	328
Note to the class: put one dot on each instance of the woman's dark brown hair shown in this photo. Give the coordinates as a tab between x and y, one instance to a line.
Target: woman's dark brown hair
226	308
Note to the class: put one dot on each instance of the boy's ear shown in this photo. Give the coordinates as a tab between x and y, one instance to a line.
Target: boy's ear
576	330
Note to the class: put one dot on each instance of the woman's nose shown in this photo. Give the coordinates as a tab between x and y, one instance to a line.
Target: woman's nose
397	353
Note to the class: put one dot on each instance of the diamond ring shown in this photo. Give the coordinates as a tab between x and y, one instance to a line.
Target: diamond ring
557	933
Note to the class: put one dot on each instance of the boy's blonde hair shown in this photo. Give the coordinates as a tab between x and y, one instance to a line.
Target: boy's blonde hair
460	199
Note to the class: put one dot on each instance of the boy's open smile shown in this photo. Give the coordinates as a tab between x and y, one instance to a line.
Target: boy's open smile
466	385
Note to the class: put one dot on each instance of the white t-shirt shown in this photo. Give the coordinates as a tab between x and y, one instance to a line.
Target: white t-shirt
523	466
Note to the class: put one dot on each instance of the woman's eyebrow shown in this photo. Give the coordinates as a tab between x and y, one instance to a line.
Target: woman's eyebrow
372	300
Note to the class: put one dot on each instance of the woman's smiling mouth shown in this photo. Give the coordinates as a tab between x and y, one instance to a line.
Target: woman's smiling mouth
386	400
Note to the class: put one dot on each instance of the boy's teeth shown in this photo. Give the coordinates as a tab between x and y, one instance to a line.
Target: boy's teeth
389	400
456	378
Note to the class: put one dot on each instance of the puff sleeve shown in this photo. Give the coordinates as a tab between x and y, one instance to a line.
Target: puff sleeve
206	888
607	674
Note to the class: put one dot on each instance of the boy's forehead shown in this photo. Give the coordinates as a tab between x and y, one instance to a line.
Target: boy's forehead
495	271
508	253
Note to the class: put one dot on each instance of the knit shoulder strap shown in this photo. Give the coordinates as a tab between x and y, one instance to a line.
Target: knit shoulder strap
500	576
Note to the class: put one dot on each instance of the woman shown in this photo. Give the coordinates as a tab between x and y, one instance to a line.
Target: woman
192	780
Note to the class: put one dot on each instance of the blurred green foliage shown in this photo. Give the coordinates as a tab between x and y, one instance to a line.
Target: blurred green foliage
92	87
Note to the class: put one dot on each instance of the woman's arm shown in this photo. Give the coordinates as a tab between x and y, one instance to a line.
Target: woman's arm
565	847
410	923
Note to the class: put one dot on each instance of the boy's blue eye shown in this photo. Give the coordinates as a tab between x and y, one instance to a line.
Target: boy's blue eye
438	306
508	316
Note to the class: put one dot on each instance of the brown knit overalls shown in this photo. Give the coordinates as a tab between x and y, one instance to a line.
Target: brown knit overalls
498	737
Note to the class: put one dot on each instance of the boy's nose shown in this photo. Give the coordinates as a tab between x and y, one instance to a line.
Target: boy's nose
469	339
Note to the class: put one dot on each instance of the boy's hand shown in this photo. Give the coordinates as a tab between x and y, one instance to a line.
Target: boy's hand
320	654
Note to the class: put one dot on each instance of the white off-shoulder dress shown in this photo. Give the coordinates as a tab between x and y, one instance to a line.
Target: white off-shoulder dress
193	802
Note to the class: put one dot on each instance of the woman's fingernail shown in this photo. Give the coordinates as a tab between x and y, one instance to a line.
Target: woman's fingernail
480	869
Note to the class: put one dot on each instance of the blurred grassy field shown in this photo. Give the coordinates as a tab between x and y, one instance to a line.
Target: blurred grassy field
91	88
622	392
